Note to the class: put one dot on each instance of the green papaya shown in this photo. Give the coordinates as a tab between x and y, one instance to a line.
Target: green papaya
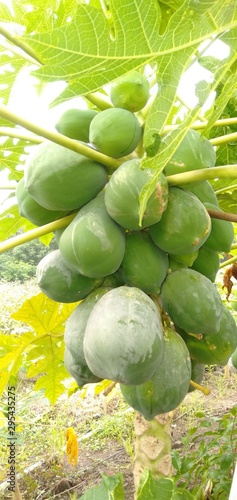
93	244
167	388
192	301
33	211
130	91
124	337
203	191
113	280
234	359
81	373
75	123
186	260
185	225
60	179
144	265
194	152
174	264
115	132
214	348
207	262
122	196
197	373
61	284
221	236
76	325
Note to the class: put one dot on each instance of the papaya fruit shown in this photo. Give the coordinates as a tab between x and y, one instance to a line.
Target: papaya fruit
197	373
75	123
130	91
122	196
61	284
185	225
124	337
234	359
167	388
60	179
214	348
93	244
115	132
207	262
33	211
186	260
144	265
221	236
76	325
193	153
192	301
203	191
81	373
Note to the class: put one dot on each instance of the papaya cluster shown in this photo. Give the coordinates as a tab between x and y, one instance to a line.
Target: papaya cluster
149	315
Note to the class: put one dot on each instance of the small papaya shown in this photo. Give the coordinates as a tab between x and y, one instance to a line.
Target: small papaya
75	123
61	284
81	373
186	260
93	244
184	226
194	152
214	348
167	388
192	301
207	262
124	337
122	196
76	324
60	179
144	265
221	236
33	211
197	373
203	191
130	91
115	132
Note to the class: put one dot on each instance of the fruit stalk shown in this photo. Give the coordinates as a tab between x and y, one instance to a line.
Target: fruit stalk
152	446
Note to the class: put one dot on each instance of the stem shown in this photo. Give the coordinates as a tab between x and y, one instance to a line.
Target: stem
201	388
228	262
196	126
223	190
19	134
234	246
58	138
200	117
35	233
8	187
97	99
222	215
223	139
22	45
203	174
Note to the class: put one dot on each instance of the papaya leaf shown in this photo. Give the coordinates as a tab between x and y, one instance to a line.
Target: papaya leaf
154	488
12	348
110	489
228	201
181	494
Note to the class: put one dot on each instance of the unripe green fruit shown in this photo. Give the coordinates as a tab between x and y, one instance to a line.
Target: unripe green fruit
221	236
130	92
80	372
60	179
122	196
61	284
115	132
207	262
75	123
30	209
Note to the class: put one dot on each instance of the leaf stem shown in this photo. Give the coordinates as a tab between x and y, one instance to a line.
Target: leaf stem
203	174
8	187
17	133
227	188
223	139
228	262
198	126
97	99
204	390
35	233
61	139
22	45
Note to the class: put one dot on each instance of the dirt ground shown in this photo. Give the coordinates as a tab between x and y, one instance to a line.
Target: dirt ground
55	479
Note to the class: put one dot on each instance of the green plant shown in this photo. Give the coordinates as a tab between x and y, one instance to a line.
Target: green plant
208	455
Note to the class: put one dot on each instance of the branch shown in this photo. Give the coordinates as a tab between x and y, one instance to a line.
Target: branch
61	139
22	45
222	215
203	174
35	233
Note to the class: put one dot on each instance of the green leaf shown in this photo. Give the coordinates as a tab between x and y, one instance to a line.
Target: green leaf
154	488
110	489
181	494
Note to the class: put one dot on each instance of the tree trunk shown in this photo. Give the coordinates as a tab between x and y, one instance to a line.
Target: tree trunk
152	446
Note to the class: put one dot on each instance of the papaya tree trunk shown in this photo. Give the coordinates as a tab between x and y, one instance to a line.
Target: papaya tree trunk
152	446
